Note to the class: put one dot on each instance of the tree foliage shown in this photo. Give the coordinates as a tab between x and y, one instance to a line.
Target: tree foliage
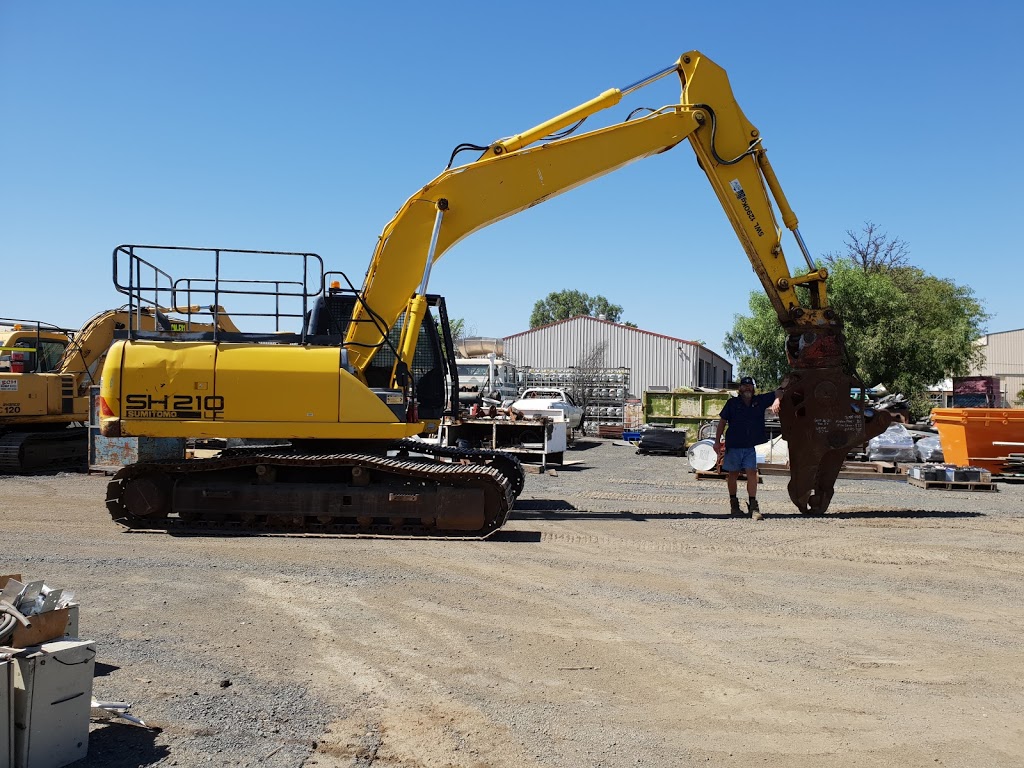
758	344
458	328
909	329
905	329
561	305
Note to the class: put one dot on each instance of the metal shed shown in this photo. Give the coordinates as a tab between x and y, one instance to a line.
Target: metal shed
655	361
1004	357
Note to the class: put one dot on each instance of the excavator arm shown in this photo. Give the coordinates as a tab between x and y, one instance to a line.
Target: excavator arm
819	418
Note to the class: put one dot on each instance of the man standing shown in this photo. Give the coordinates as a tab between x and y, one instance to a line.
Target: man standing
744	416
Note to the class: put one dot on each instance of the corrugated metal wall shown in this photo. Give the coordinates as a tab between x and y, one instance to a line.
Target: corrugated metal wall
653	360
1004	357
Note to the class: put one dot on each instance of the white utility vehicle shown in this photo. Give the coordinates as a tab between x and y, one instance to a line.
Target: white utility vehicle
534	399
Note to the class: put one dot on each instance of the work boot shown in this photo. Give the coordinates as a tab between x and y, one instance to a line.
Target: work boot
754	510
734	507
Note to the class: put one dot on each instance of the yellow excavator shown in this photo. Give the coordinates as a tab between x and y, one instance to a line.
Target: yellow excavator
363	375
45	375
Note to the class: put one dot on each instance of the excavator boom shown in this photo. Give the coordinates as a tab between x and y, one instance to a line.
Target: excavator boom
819	419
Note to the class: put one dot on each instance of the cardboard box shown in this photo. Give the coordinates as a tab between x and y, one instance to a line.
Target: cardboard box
43	628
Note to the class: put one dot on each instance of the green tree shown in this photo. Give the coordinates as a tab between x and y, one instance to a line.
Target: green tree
758	344
906	329
458	326
561	305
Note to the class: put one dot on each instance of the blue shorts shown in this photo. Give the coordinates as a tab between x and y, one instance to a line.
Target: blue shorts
738	459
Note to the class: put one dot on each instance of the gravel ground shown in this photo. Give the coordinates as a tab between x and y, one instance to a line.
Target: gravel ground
621	619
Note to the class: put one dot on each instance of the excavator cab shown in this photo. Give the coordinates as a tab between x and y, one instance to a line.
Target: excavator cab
429	367
432	364
31	346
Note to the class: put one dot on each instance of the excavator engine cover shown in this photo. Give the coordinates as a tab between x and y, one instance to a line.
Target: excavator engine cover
820	421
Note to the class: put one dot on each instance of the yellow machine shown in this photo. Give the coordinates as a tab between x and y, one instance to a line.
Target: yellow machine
355	384
45	375
31	346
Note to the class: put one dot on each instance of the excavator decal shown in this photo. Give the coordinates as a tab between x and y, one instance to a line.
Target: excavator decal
141	406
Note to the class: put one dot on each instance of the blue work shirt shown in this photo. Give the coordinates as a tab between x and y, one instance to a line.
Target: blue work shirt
746	422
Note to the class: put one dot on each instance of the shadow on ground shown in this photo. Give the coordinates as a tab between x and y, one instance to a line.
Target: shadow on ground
102	669
854	514
516	537
559	509
121	745
583	445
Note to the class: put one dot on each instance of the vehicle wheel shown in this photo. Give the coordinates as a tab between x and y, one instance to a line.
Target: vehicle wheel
148	496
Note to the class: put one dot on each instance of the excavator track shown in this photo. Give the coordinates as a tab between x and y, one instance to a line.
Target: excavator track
296	494
506	463
25	452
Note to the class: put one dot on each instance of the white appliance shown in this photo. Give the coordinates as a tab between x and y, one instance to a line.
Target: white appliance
52	703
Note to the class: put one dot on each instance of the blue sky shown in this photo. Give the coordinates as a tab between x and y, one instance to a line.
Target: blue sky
304	126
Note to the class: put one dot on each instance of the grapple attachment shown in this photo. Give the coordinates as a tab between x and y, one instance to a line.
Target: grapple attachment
821	422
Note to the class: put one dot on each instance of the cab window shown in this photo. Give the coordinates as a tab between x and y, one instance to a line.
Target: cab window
48	353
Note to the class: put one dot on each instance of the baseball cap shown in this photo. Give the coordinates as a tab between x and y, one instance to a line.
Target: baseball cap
748	380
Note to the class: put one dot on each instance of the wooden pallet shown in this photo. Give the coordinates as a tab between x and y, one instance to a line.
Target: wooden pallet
950	485
872	467
1008	478
852	470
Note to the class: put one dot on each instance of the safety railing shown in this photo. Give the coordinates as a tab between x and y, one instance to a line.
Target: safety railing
228	291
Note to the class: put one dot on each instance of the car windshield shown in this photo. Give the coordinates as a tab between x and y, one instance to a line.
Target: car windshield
472	370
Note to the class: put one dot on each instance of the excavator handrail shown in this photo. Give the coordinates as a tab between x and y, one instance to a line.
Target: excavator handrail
150	288
38	325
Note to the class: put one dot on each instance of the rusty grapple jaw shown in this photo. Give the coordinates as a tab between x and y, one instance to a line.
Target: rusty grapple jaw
821	422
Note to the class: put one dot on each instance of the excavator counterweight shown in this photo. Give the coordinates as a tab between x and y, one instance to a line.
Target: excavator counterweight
46	376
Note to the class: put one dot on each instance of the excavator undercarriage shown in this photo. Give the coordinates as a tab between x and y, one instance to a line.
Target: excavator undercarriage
64	448
465	495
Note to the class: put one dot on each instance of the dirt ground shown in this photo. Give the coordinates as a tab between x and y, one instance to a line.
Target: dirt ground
621	619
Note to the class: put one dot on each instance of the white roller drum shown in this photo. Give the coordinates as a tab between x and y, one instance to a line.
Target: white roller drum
702	456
